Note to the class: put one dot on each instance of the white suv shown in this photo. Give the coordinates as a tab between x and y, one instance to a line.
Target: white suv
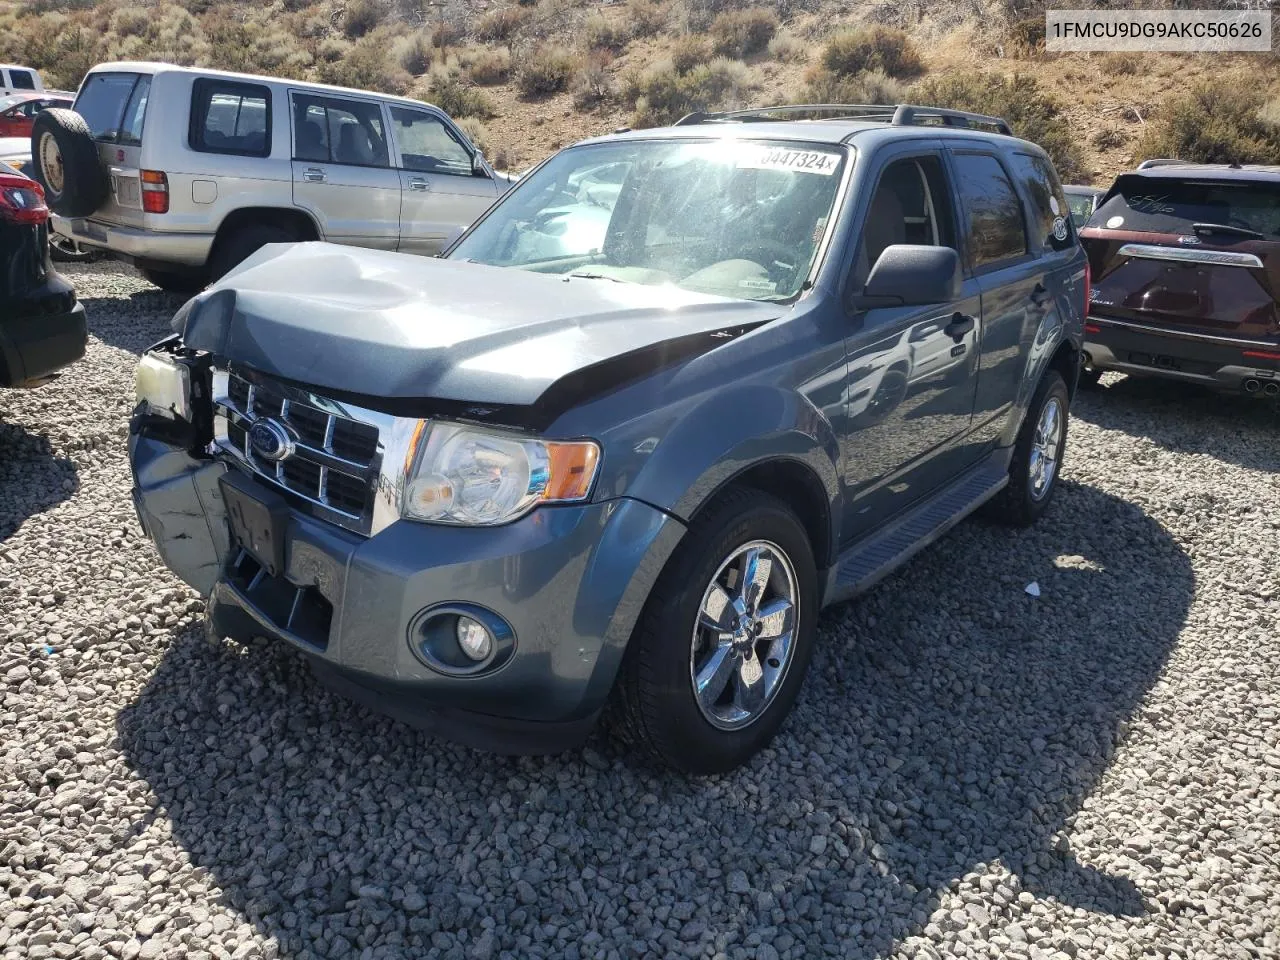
186	172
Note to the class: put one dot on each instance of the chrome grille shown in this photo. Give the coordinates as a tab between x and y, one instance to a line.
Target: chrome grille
337	455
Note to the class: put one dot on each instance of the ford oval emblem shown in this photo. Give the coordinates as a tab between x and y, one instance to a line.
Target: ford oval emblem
270	440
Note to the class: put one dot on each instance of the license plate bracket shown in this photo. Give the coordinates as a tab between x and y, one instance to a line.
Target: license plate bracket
258	519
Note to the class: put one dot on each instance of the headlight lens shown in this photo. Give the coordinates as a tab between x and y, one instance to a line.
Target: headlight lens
164	386
472	476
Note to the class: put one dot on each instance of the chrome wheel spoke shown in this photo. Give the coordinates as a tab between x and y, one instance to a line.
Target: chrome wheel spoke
715	675
717	613
749	691
756	568
775	617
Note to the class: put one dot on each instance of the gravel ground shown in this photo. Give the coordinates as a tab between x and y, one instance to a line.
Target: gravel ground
971	771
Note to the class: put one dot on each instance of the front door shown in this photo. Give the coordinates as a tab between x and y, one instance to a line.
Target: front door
912	370
342	173
440	196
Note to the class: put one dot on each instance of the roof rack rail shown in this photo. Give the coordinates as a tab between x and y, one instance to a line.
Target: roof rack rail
899	115
1161	162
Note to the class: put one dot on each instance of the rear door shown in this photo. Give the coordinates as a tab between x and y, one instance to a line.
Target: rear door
1188	254
114	105
1012	277
440	196
342	173
912	370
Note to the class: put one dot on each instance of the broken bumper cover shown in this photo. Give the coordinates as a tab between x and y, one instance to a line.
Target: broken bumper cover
569	581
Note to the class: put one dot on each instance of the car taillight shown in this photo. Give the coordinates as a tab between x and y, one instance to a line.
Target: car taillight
155	191
1088	286
22	201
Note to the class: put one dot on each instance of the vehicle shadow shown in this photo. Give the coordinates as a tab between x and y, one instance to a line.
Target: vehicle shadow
1186	418
130	322
950	722
32	477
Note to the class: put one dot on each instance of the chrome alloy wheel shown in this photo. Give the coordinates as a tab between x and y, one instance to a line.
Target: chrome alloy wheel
51	163
744	640
1044	448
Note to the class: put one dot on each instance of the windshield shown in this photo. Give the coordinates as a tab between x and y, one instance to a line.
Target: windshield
733	218
1171	205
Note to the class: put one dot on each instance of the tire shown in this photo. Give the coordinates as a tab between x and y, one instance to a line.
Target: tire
65	162
175	282
244	242
64	250
655	707
1022	502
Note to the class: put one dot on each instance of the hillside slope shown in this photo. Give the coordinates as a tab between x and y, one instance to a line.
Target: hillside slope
535	75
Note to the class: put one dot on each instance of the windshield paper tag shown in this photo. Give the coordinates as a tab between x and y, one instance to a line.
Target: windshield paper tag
779	158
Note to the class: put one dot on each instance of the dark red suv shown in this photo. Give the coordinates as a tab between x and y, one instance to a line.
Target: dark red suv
1185	266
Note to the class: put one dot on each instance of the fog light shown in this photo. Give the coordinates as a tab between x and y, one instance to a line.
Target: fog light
474	639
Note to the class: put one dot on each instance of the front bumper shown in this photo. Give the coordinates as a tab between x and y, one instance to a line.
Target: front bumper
570	581
35	345
137	245
1223	363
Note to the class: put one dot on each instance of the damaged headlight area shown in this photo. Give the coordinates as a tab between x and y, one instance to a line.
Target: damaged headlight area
163	387
471	476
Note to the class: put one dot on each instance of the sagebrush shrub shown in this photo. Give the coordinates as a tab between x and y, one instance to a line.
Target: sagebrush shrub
1215	122
873	86
592	85
664	94
873	48
546	70
601	33
740	33
488	67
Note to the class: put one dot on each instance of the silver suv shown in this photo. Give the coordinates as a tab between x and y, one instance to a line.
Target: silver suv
186	172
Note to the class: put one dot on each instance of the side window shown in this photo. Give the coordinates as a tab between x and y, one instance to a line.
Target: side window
22	80
427	145
993	213
1049	209
911	204
228	117
135	111
339	131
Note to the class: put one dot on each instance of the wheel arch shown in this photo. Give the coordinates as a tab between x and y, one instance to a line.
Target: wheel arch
291	219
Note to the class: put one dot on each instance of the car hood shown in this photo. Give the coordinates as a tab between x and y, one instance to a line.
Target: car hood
390	325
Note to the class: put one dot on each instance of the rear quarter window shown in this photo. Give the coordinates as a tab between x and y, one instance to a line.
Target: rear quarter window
1176	204
103	102
230	118
22	80
1050	213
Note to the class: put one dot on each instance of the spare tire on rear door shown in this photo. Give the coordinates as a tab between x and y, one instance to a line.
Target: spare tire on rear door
66	163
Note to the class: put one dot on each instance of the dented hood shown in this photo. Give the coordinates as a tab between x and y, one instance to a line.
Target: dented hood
402	327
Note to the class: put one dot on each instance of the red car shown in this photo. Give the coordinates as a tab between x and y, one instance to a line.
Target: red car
17	112
1185	262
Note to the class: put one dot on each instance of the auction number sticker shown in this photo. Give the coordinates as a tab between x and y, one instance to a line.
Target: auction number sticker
780	158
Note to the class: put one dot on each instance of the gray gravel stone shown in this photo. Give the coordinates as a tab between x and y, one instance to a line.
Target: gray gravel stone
969	772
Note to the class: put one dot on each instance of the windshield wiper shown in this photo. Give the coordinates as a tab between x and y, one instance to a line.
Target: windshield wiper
1228	228
594	276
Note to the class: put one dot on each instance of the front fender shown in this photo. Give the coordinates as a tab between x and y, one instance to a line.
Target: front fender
719	438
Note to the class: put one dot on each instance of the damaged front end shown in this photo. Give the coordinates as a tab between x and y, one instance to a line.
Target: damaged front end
176	492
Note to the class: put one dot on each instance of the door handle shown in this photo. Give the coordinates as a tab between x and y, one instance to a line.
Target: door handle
417	183
960	325
313	175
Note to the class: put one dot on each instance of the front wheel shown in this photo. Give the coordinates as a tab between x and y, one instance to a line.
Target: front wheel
720	652
1037	456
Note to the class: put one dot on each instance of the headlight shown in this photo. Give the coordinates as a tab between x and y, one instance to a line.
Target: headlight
164	386
472	476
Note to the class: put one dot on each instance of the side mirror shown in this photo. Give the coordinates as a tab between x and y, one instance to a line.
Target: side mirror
910	275
478	166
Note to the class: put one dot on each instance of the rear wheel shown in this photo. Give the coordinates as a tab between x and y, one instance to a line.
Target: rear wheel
174	281
65	161
720	652
1037	456
238	246
66	250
